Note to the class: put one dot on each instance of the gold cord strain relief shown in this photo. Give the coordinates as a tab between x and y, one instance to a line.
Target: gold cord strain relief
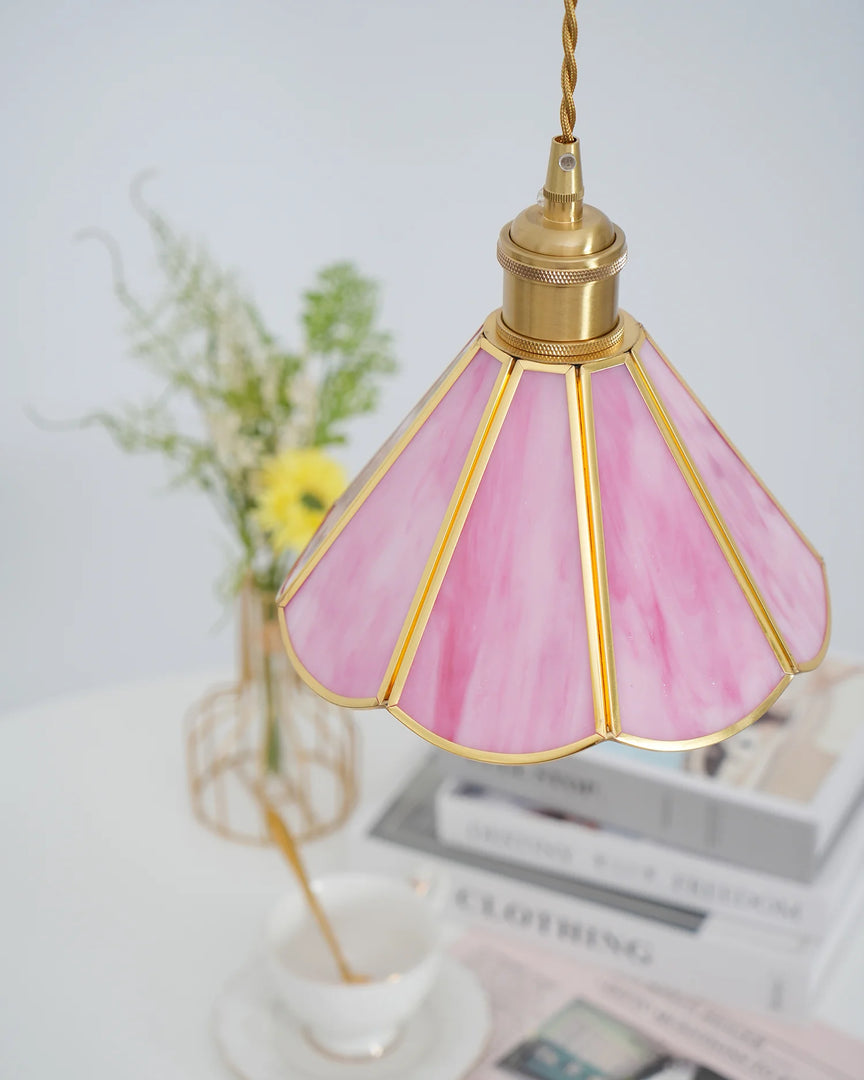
564	190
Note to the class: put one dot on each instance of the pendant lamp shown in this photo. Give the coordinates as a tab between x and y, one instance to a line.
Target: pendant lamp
558	545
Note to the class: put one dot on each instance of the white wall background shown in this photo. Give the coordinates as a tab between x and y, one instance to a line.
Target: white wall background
725	138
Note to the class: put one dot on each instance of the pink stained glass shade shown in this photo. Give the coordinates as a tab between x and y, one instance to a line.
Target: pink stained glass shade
502	666
344	620
499	662
787	573
690	656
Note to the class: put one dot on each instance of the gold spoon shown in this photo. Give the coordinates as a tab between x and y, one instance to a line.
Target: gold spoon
287	845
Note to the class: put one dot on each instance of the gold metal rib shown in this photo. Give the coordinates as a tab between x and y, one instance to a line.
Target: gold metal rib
586	548
409	636
433	585
593	547
808	665
725	437
433	399
701	741
451	530
712	516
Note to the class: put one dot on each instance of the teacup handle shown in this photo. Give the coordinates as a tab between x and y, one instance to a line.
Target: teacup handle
433	885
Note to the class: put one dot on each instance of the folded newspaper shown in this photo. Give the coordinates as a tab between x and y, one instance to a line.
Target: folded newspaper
558	1020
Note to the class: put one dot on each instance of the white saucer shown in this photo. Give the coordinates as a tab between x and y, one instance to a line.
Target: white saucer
260	1041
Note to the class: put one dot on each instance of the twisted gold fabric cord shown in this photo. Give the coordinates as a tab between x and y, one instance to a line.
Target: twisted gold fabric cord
569	71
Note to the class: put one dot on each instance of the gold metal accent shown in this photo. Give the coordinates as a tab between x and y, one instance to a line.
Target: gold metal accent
409	623
714	520
282	837
434	397
494	348
314	786
310	680
533	231
726	438
589	581
597	548
453	530
562	197
681	458
559	297
433	585
607	362
562	351
617	354
675	745
559	277
808	665
564	190
591	268
487	755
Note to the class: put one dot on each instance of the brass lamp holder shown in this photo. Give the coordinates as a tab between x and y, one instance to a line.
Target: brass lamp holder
561	258
561	261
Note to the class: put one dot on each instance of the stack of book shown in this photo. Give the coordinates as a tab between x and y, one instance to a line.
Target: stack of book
731	872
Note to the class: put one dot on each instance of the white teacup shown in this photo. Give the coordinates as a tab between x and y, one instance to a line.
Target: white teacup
387	932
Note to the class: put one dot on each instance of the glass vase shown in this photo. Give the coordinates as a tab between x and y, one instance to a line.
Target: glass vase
268	735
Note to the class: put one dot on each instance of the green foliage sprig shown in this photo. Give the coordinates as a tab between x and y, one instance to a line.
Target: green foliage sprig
231	395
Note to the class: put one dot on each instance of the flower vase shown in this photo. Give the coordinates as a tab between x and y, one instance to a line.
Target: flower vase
269	736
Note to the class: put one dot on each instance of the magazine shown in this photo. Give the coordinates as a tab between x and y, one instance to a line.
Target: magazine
554	1019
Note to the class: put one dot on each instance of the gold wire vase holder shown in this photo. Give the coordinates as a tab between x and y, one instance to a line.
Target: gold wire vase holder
269	735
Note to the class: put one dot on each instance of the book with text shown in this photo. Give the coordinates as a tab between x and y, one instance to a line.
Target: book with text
681	946
522	831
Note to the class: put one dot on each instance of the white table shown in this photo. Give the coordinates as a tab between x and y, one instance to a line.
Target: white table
122	917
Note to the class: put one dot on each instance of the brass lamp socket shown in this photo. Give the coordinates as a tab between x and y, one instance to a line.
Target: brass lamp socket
561	260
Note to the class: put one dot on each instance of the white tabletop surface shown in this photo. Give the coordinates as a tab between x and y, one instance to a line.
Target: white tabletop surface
121	917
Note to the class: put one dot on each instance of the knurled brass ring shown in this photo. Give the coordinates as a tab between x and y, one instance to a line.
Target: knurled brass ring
562	196
563	352
560	277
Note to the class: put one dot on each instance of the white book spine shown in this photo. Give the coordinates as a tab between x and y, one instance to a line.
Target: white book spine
498	828
719	959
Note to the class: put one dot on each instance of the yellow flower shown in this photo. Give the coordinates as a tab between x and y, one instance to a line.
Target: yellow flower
295	490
